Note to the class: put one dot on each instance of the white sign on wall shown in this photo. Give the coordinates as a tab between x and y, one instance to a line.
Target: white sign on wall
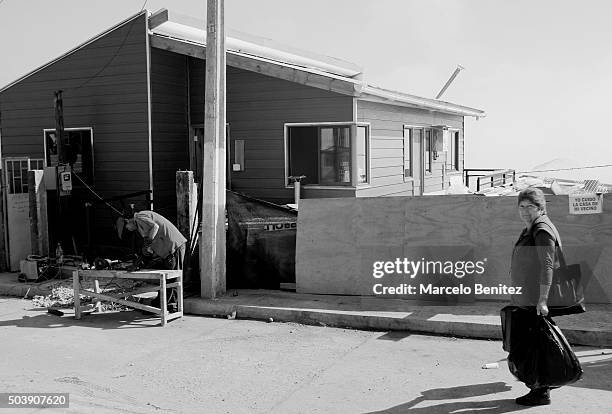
585	204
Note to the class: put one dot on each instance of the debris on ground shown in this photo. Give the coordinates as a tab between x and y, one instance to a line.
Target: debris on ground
60	297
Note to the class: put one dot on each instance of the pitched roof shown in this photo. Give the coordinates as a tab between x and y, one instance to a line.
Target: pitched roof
183	34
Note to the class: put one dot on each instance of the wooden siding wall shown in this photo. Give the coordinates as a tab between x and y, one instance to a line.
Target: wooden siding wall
258	106
386	146
170	135
104	86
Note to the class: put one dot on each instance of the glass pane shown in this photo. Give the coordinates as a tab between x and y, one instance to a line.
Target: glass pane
10	177
303	149
455	149
52	157
24	177
362	155
335	156
407	151
428	150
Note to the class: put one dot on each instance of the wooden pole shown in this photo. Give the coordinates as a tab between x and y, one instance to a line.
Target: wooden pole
212	244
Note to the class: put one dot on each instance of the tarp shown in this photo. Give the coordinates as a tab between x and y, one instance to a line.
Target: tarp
260	243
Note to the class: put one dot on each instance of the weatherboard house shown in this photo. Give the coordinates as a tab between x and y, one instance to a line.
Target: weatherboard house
133	109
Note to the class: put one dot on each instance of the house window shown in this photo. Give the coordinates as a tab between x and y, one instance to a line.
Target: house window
325	153
451	153
78	148
17	173
407	153
428	150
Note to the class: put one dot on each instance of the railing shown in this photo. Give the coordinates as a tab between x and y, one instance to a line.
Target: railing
488	177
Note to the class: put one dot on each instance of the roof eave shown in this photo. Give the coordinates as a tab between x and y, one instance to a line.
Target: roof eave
374	94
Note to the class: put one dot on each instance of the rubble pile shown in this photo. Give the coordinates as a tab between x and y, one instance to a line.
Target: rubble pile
60	297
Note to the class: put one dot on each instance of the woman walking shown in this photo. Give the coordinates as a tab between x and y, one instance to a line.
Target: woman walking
534	258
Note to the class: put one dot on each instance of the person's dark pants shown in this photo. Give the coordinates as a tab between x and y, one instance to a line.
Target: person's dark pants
172	262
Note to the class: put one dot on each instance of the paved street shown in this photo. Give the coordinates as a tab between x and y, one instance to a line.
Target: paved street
124	362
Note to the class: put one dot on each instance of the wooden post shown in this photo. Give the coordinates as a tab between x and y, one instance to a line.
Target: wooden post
76	286
39	231
212	245
186	199
186	216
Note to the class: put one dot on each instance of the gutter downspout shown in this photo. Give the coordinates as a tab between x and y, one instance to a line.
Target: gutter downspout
149	111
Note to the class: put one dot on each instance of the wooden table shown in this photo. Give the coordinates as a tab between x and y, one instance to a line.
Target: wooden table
161	276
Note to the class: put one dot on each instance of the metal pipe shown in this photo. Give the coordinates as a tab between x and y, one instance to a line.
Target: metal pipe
450	80
297	186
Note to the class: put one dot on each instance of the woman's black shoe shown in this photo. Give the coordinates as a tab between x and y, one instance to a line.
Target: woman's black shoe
539	396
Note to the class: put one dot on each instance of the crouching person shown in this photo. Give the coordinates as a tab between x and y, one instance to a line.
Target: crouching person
163	246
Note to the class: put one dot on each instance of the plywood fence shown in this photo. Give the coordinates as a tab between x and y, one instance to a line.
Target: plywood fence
338	240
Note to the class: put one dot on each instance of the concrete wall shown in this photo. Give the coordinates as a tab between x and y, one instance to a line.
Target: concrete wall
339	239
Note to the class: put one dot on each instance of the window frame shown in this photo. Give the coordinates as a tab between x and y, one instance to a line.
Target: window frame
410	138
91	137
453	151
353	140
427	150
10	173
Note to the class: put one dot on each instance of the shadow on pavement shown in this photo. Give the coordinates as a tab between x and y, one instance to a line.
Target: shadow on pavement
395	335
109	320
466	391
597	375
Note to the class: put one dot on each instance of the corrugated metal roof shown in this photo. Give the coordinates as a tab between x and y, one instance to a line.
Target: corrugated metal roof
302	60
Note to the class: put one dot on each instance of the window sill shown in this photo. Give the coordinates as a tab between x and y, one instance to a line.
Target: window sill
323	187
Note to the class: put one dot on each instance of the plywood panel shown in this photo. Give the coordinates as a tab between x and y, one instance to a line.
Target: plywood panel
339	240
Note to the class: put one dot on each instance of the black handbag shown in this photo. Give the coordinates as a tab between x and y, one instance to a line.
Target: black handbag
566	294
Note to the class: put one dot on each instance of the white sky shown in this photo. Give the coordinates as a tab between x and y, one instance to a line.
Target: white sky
541	69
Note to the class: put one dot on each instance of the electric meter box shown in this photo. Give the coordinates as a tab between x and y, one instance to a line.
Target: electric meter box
66	180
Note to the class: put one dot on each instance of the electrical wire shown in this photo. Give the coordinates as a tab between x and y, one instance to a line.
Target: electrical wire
97	195
568	169
141	9
109	61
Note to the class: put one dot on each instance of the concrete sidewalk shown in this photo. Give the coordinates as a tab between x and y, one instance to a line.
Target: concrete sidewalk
479	320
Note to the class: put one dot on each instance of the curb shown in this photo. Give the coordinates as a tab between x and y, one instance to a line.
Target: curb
343	319
23	290
377	322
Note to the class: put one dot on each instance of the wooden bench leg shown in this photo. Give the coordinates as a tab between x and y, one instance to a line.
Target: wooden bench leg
77	295
179	294
98	304
162	300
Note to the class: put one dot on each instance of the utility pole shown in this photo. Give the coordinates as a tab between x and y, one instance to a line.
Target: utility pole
59	127
212	243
